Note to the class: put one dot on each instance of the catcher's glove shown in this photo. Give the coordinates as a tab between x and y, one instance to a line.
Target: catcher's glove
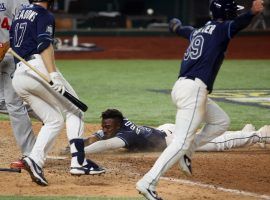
174	24
3	50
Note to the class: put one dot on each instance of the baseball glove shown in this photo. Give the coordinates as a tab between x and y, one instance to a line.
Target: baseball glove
3	50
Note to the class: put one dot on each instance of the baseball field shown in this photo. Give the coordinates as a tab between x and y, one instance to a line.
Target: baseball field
140	88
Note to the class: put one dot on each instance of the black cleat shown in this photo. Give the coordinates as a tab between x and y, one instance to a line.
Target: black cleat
35	171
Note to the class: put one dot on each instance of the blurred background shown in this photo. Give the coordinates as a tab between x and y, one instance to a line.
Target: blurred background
143	15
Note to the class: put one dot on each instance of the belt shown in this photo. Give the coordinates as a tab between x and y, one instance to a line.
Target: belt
194	79
187	77
28	58
190	77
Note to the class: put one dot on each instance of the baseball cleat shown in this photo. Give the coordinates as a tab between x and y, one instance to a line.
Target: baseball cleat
249	128
144	190
18	164
185	165
35	171
264	134
90	168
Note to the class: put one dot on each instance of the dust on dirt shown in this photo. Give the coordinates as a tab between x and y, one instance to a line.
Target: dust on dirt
243	169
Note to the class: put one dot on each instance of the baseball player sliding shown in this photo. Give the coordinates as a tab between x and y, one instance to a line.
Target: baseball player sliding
31	37
19	118
119	132
200	65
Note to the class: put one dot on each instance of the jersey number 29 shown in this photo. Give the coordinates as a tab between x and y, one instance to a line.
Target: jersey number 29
194	50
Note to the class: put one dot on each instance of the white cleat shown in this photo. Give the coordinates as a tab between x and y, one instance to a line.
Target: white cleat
264	135
249	128
144	189
185	165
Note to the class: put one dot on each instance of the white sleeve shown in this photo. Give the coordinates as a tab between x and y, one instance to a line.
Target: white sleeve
103	145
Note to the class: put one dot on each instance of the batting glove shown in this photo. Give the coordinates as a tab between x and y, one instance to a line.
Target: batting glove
174	24
57	85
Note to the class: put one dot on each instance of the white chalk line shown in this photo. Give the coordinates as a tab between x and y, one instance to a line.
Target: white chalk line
203	185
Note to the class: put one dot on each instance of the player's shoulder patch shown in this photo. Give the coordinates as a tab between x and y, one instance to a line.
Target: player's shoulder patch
49	29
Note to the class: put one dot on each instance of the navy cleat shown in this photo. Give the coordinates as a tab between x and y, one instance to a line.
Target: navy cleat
35	171
90	168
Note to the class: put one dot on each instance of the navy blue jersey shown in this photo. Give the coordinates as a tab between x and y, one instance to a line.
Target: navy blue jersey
32	31
208	45
139	137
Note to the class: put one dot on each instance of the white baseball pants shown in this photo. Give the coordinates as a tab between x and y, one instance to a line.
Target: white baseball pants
51	107
228	140
193	108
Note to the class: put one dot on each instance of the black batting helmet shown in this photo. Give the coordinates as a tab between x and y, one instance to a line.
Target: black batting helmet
50	2
224	9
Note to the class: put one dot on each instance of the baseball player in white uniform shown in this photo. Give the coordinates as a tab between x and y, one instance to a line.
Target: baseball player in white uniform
31	37
104	140
19	118
199	68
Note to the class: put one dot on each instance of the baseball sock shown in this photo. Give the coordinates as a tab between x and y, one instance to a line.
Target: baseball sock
77	152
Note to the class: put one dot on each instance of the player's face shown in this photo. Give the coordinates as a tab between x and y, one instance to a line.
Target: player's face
110	127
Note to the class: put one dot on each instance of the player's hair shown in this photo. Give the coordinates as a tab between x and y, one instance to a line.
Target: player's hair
112	114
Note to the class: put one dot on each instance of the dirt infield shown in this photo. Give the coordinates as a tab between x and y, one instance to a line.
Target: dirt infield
241	47
220	175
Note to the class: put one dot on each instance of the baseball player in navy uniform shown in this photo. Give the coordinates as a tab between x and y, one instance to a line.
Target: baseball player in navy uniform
31	37
19	118
119	132
200	65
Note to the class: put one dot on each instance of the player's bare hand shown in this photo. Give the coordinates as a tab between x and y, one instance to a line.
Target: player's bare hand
257	7
57	85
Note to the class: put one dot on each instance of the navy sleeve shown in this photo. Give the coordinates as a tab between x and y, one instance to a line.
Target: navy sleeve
128	137
185	31
45	31
239	23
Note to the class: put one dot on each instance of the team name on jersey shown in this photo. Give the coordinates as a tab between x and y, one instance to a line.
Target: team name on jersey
207	29
2	7
132	127
26	14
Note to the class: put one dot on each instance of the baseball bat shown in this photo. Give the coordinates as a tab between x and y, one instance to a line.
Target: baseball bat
66	94
10	170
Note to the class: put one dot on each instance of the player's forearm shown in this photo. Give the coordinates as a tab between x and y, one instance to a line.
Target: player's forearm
241	22
244	20
104	145
185	31
48	58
